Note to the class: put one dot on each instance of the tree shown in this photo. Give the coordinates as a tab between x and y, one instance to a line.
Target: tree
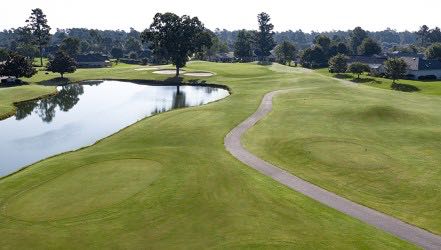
423	34
179	37
313	57
133	55
17	65
285	52
395	68
85	46
435	35
117	53
264	37
71	46
28	50
324	42
217	47
132	45
434	51
243	47
369	47
3	54
358	68
338	64
356	38
37	24
62	63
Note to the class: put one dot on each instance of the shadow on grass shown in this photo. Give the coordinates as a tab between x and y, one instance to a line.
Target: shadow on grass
404	87
365	80
342	76
57	81
11	85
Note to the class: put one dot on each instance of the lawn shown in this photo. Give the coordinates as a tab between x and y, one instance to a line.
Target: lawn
424	87
377	147
167	182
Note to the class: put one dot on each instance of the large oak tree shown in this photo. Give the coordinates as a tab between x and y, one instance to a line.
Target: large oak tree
177	37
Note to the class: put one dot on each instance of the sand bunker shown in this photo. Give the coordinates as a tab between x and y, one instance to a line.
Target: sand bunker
199	74
167	72
147	68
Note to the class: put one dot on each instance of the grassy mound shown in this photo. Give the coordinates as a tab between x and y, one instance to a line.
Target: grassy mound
376	147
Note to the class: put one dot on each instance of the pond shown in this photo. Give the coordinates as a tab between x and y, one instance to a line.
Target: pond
81	114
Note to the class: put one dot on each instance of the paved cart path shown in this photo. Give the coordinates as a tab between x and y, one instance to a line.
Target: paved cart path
380	220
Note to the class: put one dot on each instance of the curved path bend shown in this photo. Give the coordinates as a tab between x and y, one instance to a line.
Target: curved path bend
380	220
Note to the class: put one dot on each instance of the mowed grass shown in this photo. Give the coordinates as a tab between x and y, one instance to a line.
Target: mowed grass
376	147
11	95
183	190
423	87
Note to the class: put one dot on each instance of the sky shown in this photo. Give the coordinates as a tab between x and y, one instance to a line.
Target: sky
308	15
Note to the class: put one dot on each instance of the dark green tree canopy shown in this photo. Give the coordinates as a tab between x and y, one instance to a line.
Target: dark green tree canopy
358	68
117	53
179	37
338	64
395	68
323	41
3	54
434	51
356	38
313	57
369	47
37	24
132	45
243	47
71	45
62	63
285	52
17	65
423	34
264	37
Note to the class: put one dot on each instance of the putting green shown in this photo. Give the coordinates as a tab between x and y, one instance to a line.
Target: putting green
83	190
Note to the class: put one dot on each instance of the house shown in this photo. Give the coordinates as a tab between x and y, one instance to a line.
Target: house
222	57
422	69
375	63
93	61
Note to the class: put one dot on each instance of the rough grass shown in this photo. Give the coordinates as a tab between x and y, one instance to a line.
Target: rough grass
192	194
376	147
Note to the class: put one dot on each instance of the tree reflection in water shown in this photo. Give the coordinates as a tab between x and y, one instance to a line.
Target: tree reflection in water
64	100
179	99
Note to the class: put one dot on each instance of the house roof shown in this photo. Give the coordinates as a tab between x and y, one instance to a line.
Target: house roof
416	63
91	58
371	60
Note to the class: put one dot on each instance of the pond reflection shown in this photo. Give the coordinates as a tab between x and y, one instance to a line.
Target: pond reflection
66	99
81	114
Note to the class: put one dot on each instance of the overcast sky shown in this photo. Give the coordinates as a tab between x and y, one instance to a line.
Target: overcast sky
317	15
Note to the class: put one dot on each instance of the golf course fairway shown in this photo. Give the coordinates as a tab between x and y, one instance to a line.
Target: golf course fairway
167	181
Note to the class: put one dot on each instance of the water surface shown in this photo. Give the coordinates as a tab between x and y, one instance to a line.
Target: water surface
81	114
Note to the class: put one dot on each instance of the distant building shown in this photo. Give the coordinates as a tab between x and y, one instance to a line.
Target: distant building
422	69
93	61
375	63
